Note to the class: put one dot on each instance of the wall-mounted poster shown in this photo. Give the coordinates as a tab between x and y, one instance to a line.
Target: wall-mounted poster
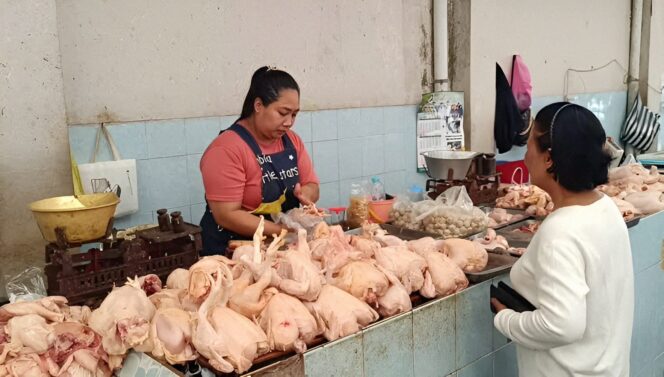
439	124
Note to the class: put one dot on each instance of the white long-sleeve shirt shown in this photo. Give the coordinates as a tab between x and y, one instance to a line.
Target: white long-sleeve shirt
577	272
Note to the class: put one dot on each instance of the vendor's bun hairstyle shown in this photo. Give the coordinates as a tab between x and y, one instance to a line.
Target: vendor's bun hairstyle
266	84
576	140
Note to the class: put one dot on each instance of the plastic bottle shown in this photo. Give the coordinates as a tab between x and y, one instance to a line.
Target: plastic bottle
415	193
377	189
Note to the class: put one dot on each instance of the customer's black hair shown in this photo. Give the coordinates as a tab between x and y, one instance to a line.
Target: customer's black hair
577	141
266	84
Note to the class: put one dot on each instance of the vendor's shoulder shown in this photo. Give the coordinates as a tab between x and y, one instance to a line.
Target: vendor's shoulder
227	139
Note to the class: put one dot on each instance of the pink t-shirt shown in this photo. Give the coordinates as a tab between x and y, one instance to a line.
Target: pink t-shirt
232	174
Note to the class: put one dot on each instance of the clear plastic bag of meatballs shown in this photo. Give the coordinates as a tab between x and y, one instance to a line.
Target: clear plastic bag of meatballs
404	213
453	215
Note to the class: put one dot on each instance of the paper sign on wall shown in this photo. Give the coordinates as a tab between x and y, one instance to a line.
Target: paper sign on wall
439	124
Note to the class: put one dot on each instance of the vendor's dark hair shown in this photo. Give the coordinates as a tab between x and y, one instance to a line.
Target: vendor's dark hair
577	141
266	84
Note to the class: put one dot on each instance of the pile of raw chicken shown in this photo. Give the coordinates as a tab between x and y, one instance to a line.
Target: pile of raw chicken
635	190
230	311
533	199
47	337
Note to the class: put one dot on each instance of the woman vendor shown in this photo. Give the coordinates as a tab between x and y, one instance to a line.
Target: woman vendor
258	166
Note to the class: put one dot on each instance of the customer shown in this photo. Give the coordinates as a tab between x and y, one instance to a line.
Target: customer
577	271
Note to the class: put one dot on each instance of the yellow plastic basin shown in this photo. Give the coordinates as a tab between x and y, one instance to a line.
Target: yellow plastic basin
82	218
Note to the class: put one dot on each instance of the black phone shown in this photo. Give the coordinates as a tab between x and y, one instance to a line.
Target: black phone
510	298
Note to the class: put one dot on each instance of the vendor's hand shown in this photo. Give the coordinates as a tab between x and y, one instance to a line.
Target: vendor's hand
287	229
300	195
497	305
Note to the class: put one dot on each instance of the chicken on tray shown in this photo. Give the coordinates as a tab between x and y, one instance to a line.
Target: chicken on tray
48	338
635	190
268	297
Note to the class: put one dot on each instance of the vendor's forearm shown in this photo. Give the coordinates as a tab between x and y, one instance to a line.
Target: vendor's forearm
245	224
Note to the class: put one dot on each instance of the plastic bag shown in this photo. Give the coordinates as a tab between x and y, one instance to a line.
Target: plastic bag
358	209
306	217
453	215
27	286
403	213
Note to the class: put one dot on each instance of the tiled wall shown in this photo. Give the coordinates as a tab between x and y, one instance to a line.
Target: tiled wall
609	108
346	146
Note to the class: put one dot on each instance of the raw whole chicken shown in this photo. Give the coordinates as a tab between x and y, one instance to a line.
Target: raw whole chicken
80	314
443	277
248	296
150	283
376	233
499	216
249	299
389	240
363	280
468	255
321	230
77	351
178	279
123	319
168	298
647	202
227	339
30	331
243	250
366	246
299	276
425	244
627	209
319	247
396	300
50	308
170	335
533	199
201	276
288	324
657	186
339	313
408	267
337	252
627	171
28	365
493	242
609	189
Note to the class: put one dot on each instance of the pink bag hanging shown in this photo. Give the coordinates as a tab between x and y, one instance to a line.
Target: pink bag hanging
521	83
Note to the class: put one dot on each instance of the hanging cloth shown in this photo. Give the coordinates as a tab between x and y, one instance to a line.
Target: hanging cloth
522	89
508	125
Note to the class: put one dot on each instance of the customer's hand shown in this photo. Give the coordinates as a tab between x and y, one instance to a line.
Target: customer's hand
497	305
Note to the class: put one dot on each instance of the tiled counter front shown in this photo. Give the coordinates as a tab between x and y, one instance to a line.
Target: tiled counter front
446	336
449	336
454	336
647	358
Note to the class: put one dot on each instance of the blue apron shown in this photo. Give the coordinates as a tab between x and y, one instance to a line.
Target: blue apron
279	176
